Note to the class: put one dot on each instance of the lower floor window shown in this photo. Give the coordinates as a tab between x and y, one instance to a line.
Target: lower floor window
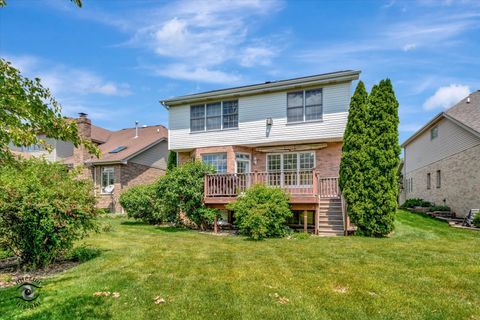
108	179
298	217
217	161
291	169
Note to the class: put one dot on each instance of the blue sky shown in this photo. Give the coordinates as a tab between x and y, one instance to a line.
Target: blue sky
116	59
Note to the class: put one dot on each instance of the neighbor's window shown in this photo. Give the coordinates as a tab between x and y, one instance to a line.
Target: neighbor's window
32	148
433	133
305	105
439	178
217	160
214	116
108	179
429	181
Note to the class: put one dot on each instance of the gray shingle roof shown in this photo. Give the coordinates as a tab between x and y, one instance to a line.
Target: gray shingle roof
467	113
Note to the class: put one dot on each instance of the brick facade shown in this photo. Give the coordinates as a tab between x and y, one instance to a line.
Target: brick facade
460	182
126	176
327	158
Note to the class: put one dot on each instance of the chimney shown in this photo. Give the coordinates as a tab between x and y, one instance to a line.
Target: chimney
84	126
136	129
468	100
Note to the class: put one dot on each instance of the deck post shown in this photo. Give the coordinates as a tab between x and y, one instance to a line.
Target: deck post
215	225
317	218
305	220
205	181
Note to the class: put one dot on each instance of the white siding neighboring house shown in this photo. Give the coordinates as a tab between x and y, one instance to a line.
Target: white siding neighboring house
442	159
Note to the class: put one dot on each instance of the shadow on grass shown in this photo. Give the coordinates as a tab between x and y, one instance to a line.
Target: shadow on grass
170	229
134	223
80	307
83	254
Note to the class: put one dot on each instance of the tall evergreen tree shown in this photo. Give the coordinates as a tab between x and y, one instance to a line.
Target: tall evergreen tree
383	152
172	160
354	156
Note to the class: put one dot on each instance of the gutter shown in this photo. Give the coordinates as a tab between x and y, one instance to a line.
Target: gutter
266	87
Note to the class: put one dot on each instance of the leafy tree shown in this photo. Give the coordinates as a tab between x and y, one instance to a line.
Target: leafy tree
261	212
383	159
172	160
27	109
3	3
181	191
43	210
354	156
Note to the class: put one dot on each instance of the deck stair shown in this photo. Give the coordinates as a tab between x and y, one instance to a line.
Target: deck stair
330	217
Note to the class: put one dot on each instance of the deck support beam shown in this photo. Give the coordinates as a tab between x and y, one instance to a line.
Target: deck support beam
317	219
305	221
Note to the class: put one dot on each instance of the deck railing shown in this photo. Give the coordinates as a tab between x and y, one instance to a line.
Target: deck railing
297	183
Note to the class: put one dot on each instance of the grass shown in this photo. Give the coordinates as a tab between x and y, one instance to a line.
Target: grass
426	270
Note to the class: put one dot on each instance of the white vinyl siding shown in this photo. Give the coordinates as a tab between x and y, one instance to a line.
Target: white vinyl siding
252	114
451	139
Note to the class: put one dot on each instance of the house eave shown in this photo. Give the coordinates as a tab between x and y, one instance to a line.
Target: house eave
322	79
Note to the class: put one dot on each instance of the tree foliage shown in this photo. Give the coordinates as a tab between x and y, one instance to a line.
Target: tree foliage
28	109
140	203
354	155
370	158
261	212
172	160
43	210
78	3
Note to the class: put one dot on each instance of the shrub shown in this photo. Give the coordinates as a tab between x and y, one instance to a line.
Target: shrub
476	220
440	208
172	160
82	254
140	203
416	202
102	211
261	212
43	210
181	191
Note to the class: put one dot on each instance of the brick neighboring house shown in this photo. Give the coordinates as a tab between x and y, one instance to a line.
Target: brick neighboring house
285	134
129	157
442	159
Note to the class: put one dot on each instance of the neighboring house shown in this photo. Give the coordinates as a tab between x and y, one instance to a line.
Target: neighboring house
286	134
129	157
442	159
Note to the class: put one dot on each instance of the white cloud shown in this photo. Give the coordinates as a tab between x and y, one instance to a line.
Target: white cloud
409	46
200	74
256	56
63	80
446	97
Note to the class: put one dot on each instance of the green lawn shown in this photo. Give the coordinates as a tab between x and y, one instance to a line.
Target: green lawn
425	271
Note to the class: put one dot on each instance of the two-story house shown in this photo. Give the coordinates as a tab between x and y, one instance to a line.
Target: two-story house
129	157
442	159
285	134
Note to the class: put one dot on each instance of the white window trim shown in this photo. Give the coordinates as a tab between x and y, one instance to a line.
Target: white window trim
101	179
249	160
221	117
304	107
282	171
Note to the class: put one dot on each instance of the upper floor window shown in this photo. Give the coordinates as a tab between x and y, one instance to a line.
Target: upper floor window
216	160
305	105
214	116
108	179
433	133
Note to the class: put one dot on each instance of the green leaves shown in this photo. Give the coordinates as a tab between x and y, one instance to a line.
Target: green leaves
43	210
261	212
370	157
27	109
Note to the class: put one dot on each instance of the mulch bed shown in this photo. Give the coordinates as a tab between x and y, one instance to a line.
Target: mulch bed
11	271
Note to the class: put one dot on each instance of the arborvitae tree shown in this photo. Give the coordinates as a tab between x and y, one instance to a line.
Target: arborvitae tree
172	160
354	156
380	177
